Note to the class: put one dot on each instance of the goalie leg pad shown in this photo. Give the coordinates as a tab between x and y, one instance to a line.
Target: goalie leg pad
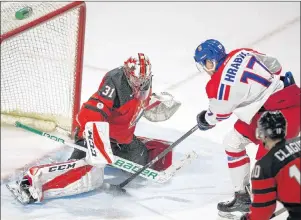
63	179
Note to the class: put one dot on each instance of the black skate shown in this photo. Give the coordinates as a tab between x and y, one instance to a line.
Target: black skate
20	190
235	208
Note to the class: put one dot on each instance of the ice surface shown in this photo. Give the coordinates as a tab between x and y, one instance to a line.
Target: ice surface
168	33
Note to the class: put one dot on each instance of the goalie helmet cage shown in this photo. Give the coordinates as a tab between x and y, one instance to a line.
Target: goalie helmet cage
41	64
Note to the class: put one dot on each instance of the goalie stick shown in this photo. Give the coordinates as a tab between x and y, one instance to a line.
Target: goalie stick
279	212
123	164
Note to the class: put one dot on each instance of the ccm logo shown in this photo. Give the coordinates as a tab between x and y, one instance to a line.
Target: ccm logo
62	167
91	143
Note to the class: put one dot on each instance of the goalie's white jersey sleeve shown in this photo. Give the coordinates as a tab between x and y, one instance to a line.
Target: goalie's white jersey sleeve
242	84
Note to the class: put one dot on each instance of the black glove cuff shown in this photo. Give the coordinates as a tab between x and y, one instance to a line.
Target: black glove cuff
201	118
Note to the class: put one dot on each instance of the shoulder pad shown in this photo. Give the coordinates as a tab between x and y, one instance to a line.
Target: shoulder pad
212	88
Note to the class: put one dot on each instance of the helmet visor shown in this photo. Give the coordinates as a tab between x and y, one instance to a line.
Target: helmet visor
201	66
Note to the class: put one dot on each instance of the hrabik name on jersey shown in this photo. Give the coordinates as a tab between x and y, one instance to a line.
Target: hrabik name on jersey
234	67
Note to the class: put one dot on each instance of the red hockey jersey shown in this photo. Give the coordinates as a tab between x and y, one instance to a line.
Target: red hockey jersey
277	177
114	103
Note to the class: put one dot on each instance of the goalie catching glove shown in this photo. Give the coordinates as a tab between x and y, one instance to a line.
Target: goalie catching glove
161	107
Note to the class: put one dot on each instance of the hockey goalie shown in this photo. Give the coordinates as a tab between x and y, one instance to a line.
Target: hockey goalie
105	127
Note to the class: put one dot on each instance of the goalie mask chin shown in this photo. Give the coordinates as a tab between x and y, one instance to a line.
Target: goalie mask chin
141	92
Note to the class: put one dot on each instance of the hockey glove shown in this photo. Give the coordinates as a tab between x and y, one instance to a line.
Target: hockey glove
288	79
246	216
202	123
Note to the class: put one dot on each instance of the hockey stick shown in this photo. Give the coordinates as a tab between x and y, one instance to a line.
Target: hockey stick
121	163
279	212
162	154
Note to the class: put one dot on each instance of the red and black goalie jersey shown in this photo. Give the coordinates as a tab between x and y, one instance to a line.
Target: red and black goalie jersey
277	177
114	103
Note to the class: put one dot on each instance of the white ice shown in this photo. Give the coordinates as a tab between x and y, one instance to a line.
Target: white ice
168	33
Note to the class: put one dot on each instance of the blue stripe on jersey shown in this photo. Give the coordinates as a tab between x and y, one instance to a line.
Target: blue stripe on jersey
221	92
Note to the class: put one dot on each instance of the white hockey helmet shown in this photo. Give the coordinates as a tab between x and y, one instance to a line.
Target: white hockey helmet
138	71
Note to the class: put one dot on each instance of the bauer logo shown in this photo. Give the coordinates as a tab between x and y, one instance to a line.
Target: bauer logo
132	168
62	167
52	137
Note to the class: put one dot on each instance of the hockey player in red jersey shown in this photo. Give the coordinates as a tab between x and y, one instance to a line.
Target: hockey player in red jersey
105	126
276	177
246	83
124	95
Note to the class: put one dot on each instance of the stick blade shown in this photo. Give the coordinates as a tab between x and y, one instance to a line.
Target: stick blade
114	189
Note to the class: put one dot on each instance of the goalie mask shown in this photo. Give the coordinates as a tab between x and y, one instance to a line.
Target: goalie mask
139	75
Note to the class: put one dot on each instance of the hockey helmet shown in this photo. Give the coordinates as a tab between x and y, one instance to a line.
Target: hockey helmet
138	71
211	50
272	125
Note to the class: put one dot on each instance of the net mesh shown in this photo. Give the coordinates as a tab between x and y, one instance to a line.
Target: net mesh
38	66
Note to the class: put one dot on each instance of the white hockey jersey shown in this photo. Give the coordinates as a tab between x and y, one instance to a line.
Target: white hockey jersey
241	85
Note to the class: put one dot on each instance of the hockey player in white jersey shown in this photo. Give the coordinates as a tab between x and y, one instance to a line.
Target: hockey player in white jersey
246	83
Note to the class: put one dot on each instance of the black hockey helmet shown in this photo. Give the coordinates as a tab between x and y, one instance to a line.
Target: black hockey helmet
271	124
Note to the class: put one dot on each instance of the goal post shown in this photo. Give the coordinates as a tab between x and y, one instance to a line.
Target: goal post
41	64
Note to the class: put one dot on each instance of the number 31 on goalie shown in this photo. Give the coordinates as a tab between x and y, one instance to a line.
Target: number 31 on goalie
108	91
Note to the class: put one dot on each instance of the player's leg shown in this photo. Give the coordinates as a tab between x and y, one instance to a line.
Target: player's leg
239	169
57	180
135	151
239	164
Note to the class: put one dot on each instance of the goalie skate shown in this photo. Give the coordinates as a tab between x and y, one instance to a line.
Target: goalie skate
20	193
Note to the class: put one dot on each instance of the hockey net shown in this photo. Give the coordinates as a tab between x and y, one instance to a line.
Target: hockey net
41	64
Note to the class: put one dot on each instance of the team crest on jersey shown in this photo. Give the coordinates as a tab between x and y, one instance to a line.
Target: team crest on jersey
99	105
